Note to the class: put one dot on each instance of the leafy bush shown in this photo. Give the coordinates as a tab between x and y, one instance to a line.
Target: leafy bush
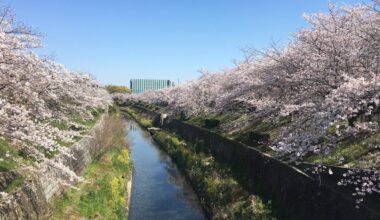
118	89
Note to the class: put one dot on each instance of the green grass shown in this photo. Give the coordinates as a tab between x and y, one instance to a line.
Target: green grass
201	120
351	152
64	144
143	121
8	154
86	123
69	144
259	133
333	129
10	160
50	154
59	125
104	194
107	196
18	182
256	135
151	107
219	192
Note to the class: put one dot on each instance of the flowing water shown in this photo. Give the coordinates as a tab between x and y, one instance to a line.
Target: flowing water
159	191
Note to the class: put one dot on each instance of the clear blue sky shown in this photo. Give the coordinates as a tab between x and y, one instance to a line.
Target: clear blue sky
116	40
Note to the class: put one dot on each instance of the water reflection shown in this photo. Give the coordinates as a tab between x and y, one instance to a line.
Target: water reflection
158	191
132	126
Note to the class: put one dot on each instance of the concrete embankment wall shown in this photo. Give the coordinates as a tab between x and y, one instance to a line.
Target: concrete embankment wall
303	196
31	200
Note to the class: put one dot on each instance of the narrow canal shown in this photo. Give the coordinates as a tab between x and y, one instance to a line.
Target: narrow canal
159	191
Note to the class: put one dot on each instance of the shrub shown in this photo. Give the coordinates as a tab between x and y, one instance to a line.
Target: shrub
118	89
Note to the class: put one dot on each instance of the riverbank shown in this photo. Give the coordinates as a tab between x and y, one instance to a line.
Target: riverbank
106	186
219	192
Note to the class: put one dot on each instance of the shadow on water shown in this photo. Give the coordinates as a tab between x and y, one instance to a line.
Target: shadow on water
159	191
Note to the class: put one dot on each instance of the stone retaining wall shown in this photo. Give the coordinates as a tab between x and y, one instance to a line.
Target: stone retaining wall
31	201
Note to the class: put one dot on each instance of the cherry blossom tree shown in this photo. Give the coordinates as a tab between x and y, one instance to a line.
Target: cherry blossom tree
36	92
326	75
